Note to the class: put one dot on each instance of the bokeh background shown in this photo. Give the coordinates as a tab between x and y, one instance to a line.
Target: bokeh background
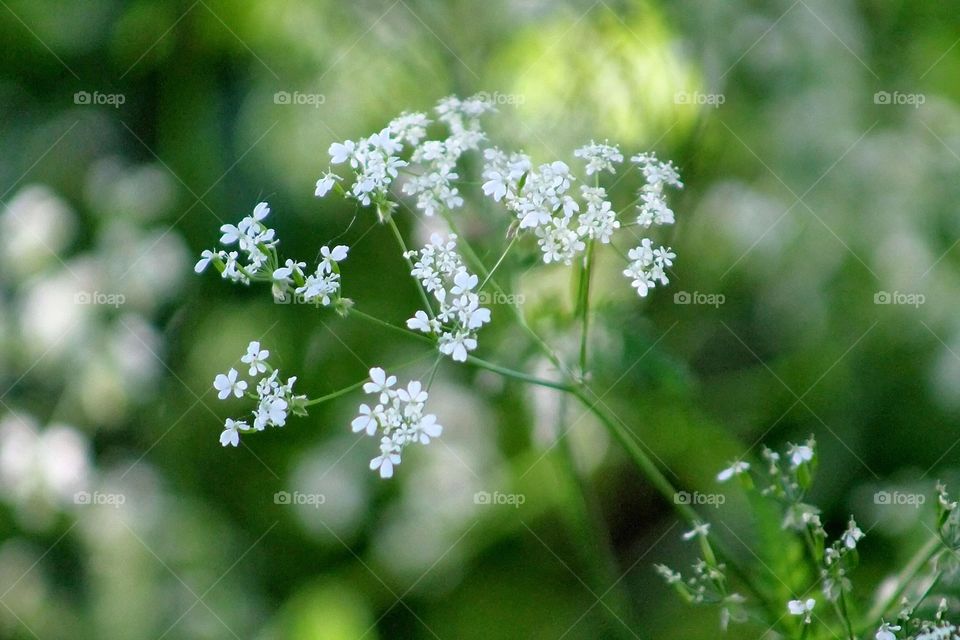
820	144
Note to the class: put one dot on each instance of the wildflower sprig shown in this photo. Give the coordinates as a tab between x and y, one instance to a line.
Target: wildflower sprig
707	583
275	400
405	160
899	611
258	243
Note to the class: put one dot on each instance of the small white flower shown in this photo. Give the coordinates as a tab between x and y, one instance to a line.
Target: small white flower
231	432
599	157
205	258
699	529
457	345
799	454
463	282
885	632
802	608
389	457
325	184
272	411
332	256
227	384
379	381
735	469
421	322
852	535
366	421
429	428
671	576
231	234
413	393
256	358
340	152
261	211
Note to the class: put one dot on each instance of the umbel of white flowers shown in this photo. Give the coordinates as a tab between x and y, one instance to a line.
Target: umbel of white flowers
275	400
401	160
398	417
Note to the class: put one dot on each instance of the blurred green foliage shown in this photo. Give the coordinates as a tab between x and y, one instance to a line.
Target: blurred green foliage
805	198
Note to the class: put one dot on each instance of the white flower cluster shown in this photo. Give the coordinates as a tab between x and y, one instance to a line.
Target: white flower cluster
376	160
541	201
252	237
258	242
653	208
599	157
648	266
398	416
441	272
275	400
321	287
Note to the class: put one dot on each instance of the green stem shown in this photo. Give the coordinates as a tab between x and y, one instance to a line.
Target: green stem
518	375
926	592
357	385
336	394
403	248
586	523
579	389
637	455
393	327
583	305
845	615
499	261
923	555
